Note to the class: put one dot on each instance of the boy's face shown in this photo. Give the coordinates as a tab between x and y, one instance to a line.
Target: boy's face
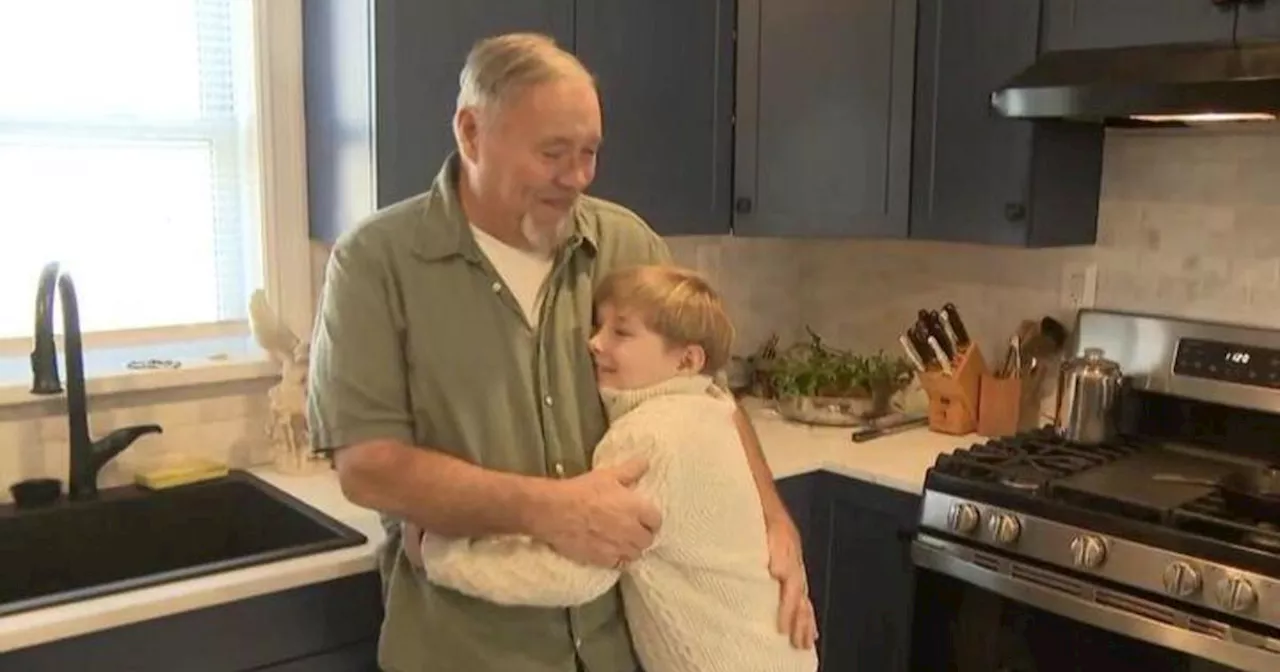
629	356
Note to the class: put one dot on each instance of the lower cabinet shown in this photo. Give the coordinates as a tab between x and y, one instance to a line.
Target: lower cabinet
325	627
857	541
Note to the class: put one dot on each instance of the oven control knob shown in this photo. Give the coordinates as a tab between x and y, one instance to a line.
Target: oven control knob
1004	528
963	518
1181	579
1088	551
1235	594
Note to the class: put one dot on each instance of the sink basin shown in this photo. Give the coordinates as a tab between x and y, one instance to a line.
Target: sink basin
131	537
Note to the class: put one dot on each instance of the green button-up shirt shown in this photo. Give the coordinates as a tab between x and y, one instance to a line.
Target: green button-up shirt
419	340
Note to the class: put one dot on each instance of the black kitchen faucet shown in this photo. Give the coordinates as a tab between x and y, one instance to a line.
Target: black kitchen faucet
87	456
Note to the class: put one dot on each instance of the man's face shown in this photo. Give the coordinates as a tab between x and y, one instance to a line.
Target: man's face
537	153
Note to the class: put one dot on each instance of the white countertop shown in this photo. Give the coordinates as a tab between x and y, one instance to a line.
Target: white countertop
897	461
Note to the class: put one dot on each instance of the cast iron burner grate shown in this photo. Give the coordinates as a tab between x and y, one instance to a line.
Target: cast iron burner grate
1209	516
1026	463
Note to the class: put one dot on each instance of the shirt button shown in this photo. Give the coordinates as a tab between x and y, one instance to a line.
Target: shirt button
548	400
559	469
497	287
577	642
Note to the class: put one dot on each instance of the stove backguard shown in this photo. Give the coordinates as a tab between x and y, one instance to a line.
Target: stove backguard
1203	384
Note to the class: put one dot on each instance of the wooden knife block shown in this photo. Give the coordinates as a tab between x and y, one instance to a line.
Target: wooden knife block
953	399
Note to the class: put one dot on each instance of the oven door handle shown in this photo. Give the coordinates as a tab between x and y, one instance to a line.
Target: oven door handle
1234	647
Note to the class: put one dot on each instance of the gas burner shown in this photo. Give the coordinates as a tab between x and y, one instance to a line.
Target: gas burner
1209	516
1267	536
1026	463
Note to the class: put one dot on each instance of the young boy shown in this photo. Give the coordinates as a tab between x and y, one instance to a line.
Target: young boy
701	597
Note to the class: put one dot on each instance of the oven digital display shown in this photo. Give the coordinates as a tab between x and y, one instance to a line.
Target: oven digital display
1228	362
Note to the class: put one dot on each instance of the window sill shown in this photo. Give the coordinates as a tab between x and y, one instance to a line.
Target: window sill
201	362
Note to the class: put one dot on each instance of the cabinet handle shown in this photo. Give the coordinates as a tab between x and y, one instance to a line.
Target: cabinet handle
1015	212
742	206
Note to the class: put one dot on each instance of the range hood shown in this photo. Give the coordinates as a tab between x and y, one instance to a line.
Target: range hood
1154	84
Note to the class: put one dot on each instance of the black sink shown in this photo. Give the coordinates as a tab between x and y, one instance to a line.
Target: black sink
131	537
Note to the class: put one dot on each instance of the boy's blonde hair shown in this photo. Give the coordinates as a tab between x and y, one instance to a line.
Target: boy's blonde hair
675	303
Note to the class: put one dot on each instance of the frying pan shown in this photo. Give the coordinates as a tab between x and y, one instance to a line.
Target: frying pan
1250	492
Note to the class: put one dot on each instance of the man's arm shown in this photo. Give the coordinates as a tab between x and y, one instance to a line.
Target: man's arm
358	405
516	570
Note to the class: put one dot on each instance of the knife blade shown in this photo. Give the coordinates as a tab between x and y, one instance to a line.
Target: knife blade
943	360
912	353
953	316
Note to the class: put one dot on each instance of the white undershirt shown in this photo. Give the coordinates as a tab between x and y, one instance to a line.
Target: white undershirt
524	271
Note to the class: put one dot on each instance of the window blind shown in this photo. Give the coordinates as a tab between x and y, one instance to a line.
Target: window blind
127	154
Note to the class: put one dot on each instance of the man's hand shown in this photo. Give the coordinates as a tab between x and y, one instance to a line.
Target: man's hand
795	612
597	519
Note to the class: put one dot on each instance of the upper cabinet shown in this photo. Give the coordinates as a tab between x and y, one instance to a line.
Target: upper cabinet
381	87
823	134
779	118
980	178
665	75
1258	20
1098	24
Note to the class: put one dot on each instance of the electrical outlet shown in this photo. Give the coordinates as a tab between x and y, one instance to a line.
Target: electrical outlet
1079	285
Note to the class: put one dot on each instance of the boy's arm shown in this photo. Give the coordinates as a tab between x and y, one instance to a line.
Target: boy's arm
516	570
512	570
786	556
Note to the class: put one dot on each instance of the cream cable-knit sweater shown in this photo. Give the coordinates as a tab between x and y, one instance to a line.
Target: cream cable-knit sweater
701	599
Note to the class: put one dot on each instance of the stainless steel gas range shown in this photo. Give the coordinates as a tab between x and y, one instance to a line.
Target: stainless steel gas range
1038	554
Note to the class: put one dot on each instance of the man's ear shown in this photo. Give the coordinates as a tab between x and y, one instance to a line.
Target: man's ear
693	359
466	130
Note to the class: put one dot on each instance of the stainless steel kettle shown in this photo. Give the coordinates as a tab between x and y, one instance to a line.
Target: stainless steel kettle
1088	388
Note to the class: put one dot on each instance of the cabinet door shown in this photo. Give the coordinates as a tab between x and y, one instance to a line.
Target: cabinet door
1258	21
971	168
1097	24
665	73
800	494
824	117
419	49
870	578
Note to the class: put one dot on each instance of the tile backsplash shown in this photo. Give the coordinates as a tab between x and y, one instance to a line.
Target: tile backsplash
1189	225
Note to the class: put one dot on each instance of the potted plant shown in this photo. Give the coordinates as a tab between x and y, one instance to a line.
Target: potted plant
818	384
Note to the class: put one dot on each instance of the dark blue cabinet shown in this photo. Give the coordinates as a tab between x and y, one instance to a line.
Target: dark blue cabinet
857	540
326	627
823	133
980	178
382	84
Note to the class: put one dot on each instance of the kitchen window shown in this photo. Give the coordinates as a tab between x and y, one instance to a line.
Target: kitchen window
154	148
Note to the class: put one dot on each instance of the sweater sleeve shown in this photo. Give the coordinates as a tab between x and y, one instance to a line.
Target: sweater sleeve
518	570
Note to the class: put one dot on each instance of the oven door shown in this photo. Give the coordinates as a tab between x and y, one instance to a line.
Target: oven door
979	612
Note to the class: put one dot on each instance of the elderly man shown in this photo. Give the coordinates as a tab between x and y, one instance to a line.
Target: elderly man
451	376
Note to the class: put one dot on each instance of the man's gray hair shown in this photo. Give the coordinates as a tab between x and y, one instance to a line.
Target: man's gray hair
500	66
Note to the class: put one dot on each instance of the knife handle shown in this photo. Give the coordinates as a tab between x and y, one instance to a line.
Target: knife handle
940	334
920	339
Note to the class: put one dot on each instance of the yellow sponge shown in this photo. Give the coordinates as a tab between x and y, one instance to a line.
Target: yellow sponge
188	471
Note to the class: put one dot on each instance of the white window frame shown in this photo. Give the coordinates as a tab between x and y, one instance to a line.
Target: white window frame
286	244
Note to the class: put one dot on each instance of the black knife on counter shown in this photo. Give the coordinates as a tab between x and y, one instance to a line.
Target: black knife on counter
890	425
957	325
